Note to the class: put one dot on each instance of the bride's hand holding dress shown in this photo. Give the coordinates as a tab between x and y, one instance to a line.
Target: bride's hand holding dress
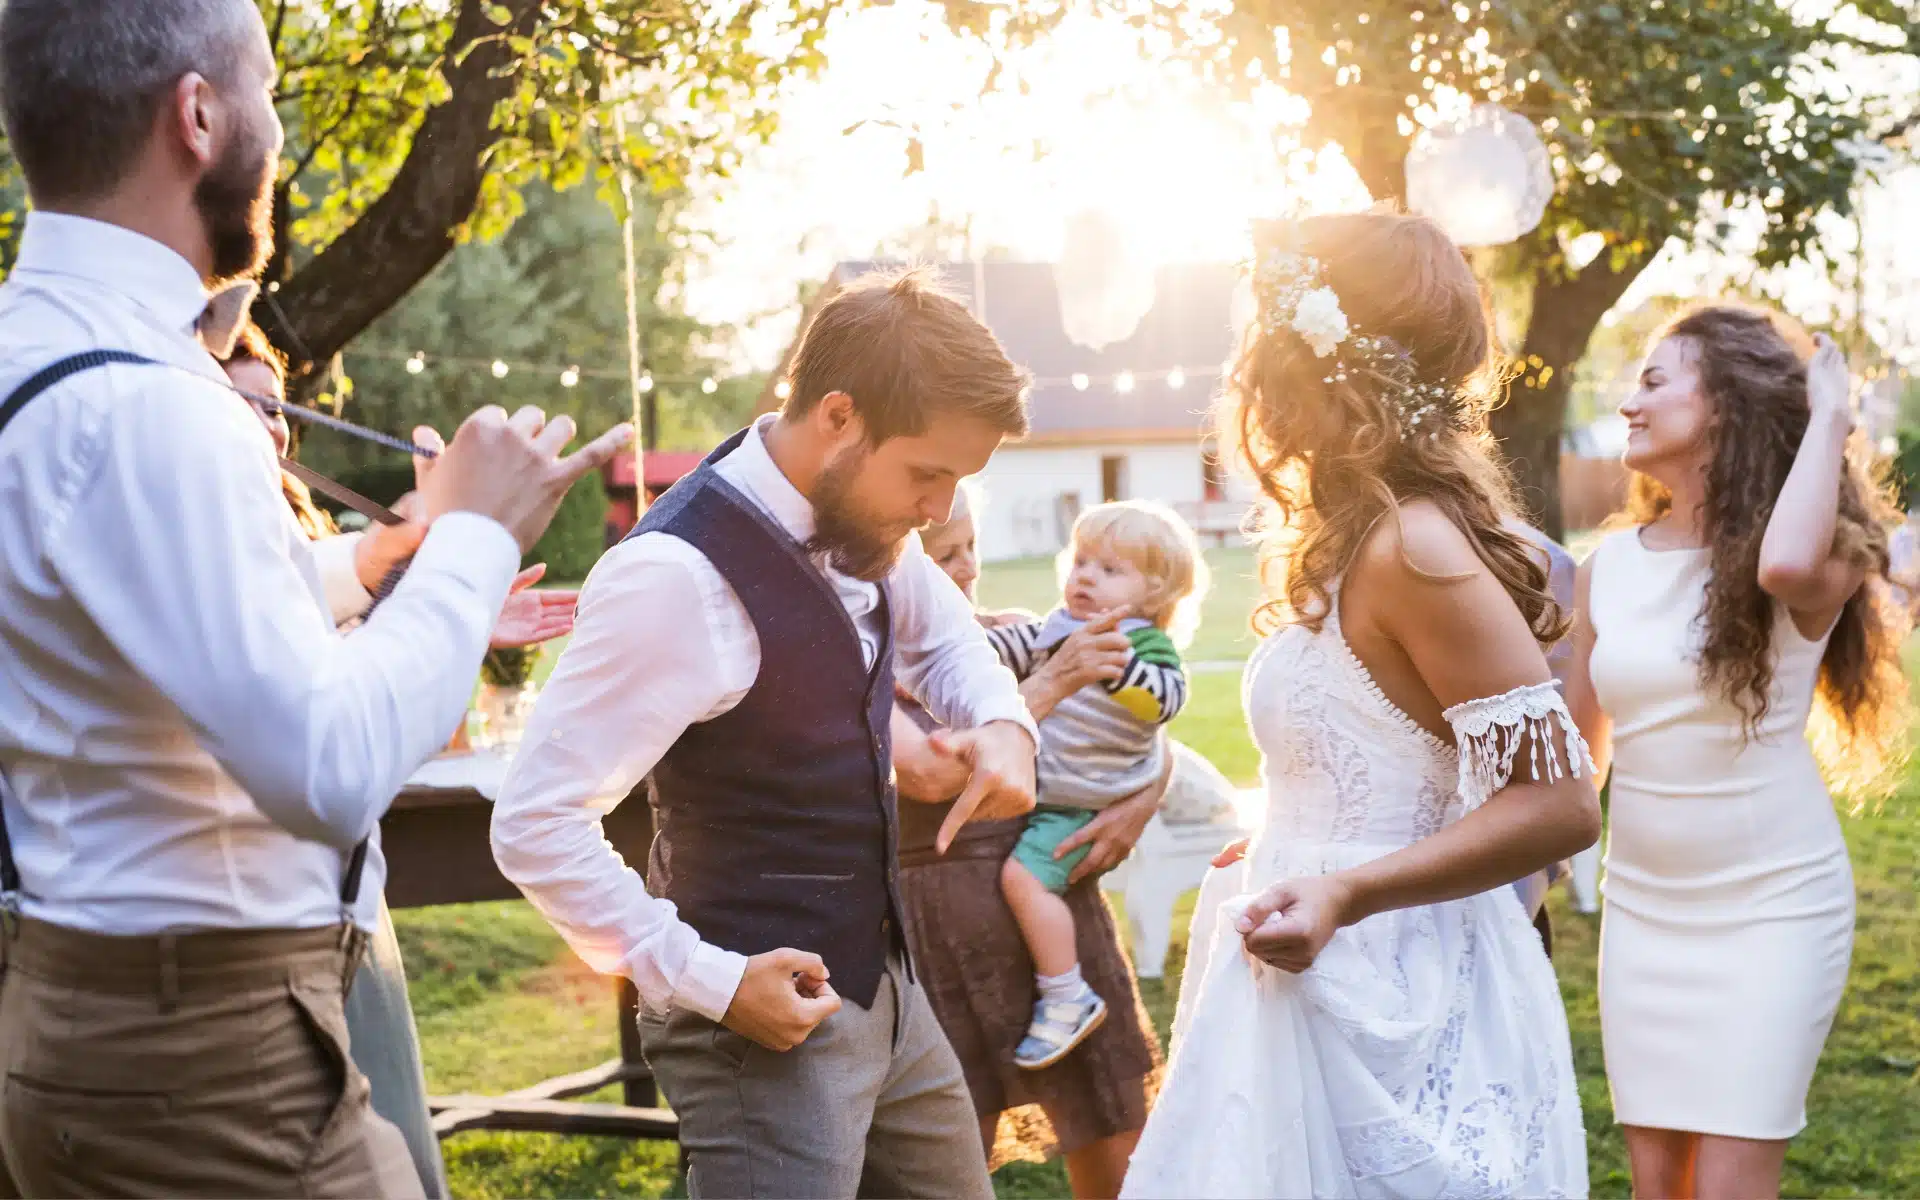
1437	632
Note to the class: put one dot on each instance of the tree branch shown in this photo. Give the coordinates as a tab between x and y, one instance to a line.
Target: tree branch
313	150
407	232
1566	309
279	27
1529	425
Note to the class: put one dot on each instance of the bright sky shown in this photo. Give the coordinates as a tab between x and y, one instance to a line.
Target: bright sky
1082	122
1085	122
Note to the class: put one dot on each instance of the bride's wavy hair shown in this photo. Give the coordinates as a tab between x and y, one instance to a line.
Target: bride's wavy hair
1335	449
1753	375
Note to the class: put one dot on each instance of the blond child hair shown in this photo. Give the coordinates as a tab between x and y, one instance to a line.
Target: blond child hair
1160	543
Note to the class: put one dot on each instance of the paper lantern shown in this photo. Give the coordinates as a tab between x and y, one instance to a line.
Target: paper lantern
1105	289
1484	178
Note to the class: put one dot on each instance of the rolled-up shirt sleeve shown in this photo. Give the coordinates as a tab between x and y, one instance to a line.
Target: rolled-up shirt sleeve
942	654
178	546
642	666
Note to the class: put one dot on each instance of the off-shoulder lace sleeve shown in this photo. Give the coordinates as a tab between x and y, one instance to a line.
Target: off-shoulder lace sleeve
1491	729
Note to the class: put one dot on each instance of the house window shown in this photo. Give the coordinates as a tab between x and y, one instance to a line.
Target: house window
1113	478
1213	477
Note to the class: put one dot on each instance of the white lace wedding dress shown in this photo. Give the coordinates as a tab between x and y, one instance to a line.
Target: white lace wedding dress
1425	1053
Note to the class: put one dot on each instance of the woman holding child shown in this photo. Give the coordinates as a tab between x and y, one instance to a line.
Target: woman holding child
968	946
1376	1017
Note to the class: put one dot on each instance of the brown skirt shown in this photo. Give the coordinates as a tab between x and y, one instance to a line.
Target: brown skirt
978	974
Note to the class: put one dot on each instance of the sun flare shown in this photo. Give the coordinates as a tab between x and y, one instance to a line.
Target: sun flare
897	151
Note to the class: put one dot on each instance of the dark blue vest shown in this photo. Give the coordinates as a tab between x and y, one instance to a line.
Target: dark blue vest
776	820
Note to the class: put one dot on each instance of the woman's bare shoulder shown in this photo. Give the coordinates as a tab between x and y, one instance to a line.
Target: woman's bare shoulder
1417	545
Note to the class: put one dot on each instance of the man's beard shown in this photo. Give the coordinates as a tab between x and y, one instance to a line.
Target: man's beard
235	203
850	538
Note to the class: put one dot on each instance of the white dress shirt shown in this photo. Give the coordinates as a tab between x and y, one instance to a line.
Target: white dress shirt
345	595
662	642
189	743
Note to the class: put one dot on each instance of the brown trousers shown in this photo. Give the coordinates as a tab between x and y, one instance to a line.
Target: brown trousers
210	1064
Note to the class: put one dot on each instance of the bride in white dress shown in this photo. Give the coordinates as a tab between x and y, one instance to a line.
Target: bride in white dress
1374	1015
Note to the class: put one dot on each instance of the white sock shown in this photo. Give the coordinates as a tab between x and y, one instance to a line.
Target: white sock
1066	986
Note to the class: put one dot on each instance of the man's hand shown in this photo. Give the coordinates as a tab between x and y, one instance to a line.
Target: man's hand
1112	833
999	759
510	469
782	997
529	618
383	547
1288	925
921	771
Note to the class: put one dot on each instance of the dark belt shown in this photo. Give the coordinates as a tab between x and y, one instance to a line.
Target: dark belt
172	965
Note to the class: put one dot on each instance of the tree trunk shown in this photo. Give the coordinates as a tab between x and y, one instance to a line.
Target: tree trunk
1530	424
408	231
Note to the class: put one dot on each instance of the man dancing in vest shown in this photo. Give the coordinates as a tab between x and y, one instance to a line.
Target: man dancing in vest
741	646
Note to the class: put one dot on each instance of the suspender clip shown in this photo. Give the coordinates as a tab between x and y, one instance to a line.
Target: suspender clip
353	948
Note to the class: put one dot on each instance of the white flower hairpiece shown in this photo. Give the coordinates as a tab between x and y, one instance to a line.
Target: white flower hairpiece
1294	297
1317	318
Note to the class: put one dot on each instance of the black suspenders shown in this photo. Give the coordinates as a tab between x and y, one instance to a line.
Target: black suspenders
37	383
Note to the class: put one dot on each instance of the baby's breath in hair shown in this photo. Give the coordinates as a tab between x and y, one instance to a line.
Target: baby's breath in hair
1295	299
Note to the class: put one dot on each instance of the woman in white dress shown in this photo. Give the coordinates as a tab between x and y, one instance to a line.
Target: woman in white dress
1707	631
1374	1016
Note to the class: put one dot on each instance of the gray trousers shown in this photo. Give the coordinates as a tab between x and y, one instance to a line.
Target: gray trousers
872	1104
386	1048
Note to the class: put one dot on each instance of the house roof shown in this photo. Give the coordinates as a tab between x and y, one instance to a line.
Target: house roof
1189	329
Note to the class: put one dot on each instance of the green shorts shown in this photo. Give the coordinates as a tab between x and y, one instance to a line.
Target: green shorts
1046	828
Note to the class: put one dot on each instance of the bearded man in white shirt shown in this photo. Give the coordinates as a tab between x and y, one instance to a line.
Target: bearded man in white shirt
194	760
741	648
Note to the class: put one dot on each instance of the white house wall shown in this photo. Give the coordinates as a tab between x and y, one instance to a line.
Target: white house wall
1024	488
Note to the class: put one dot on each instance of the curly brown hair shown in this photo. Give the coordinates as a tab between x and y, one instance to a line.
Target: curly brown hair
1334	452
1753	374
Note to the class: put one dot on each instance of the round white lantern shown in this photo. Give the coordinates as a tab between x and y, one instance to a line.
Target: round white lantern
1483	178
1105	289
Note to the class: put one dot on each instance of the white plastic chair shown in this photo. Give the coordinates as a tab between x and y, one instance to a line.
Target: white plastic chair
1173	856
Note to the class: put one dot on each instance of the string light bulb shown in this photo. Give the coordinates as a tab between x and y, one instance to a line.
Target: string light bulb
708	385
416	364
646	383
1080	381
499	369
1176	378
782	390
570	377
1123	382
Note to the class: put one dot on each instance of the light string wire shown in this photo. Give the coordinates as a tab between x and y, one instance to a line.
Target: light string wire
1176	377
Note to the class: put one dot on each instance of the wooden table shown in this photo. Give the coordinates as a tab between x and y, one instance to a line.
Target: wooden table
438	852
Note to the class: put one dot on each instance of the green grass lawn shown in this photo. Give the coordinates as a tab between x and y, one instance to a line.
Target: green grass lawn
501	1002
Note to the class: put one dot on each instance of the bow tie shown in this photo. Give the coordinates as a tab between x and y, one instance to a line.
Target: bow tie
226	312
